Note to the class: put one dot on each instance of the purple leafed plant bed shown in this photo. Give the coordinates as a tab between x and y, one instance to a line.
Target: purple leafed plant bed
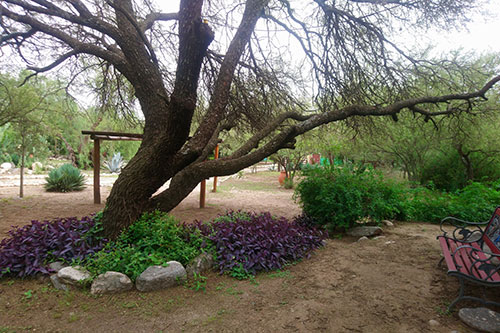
259	242
30	248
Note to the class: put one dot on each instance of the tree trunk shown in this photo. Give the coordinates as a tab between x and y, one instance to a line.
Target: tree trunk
466	161
166	152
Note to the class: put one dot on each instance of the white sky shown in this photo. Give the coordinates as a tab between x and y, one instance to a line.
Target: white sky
482	34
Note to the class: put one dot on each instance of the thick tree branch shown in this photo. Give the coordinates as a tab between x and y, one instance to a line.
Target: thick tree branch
155	17
72	42
87	20
220	96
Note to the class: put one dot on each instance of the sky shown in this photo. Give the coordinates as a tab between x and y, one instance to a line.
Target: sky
482	34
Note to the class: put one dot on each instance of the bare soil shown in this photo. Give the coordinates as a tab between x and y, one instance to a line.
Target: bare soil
391	284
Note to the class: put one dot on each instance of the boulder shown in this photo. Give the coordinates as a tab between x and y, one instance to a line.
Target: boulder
6	166
75	276
364	231
111	282
364	238
482	319
159	277
58	284
201	263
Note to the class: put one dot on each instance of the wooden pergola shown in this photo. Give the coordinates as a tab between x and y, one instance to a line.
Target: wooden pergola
99	136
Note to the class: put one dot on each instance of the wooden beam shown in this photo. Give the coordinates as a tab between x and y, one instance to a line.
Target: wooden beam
96	159
216	156
130	135
114	138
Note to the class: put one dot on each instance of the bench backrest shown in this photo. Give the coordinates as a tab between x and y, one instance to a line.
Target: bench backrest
492	232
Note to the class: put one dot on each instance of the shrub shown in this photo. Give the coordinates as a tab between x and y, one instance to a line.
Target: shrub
338	197
115	164
153	239
246	243
29	249
445	171
66	178
288	183
475	202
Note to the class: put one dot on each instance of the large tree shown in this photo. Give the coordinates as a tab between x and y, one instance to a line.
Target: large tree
246	76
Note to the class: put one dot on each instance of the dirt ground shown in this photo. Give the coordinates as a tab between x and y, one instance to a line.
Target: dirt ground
387	285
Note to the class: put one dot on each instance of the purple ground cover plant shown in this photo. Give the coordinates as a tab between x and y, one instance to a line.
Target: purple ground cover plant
259	242
29	249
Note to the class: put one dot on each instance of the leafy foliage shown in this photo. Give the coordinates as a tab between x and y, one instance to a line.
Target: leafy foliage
30	248
154	239
66	178
338	197
115	164
246	243
475	202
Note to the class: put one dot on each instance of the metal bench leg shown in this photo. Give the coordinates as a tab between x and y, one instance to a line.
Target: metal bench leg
440	262
460	295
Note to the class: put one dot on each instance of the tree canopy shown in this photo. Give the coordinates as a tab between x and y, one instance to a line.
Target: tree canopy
213	66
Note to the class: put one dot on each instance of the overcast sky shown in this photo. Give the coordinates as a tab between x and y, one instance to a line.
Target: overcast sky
482	34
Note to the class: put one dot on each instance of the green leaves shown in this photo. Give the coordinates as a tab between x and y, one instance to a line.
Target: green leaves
154	239
338	197
66	178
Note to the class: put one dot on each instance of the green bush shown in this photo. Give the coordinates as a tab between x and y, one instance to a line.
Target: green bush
154	239
66	178
338	197
445	171
475	202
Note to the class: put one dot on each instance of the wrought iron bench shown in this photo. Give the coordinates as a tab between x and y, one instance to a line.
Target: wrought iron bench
472	254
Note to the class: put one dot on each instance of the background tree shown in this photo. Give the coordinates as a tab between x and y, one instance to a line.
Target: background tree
357	68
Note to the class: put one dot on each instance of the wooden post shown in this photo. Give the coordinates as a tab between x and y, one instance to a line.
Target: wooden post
203	190
97	169
216	156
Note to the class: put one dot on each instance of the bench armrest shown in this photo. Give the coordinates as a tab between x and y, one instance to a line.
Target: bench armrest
465	231
484	264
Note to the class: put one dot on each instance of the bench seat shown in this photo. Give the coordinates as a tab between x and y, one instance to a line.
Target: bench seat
464	255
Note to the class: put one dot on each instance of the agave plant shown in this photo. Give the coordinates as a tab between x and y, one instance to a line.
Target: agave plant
115	164
66	178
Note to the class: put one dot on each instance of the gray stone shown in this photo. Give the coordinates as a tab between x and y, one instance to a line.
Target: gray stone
433	323
75	276
58	284
6	166
378	237
159	277
482	319
111	282
200	264
388	223
362	239
364	231
57	266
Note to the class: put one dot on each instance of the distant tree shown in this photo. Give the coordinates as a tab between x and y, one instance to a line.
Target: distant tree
347	47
